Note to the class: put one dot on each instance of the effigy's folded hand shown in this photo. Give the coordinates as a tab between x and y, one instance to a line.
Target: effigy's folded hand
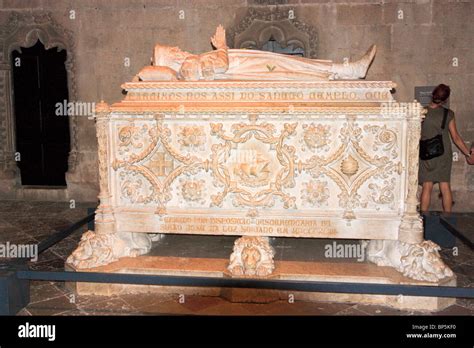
190	69
207	68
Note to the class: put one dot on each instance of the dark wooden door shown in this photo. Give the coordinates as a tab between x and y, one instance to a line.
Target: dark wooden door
42	136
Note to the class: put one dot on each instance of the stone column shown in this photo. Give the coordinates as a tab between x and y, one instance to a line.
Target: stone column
9	172
411	227
104	220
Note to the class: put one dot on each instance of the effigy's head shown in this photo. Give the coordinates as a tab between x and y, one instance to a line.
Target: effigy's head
168	56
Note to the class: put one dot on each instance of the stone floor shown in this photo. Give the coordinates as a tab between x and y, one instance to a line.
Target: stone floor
32	222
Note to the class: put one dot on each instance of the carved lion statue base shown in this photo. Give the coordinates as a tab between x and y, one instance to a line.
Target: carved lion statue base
417	261
252	256
98	249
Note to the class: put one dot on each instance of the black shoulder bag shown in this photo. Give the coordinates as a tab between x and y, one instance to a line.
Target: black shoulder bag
433	147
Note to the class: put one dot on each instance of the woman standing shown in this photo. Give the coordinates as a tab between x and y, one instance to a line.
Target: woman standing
438	169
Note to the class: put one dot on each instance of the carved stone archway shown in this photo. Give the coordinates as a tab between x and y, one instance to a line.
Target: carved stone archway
261	25
24	30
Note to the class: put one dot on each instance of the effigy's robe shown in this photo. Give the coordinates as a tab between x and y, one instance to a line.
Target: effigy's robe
260	65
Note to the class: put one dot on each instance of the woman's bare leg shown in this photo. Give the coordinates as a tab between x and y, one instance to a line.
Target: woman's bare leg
426	196
445	189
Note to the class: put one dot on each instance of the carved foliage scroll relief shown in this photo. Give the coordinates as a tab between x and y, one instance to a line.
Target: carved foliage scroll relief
147	164
362	159
253	165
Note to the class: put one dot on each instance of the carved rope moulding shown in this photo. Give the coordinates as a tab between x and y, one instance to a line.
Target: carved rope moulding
248	85
272	113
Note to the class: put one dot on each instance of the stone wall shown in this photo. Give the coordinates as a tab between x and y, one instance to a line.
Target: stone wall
419	43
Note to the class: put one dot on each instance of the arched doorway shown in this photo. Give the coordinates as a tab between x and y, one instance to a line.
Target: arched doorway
22	31
42	136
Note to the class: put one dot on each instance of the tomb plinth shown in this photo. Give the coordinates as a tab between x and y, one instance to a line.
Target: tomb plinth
289	159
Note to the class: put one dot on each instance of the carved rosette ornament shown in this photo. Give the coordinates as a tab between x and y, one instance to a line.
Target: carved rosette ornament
315	137
192	137
252	256
192	190
420	261
315	193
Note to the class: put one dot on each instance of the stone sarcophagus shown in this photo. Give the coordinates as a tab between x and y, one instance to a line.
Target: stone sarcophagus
325	159
321	160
